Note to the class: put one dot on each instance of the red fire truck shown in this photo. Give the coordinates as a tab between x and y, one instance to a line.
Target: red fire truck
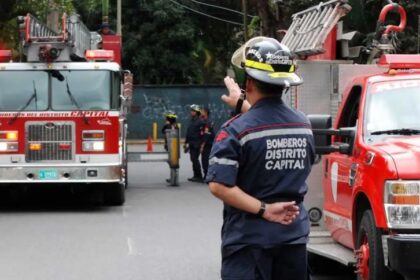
371	174
63	111
364	195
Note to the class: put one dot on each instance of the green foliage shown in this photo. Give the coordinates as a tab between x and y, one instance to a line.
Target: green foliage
91	12
165	43
364	16
41	8
10	9
159	43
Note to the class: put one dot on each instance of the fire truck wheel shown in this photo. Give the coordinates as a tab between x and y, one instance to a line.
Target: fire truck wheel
369	254
114	194
125	175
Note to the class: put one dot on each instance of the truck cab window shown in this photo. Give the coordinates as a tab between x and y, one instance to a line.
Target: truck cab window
90	89
116	90
350	111
393	106
23	90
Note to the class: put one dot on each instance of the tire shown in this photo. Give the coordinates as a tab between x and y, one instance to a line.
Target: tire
369	240
125	175
114	194
125	165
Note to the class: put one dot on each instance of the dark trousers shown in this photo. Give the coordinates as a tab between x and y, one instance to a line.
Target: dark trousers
287	262
194	155
205	158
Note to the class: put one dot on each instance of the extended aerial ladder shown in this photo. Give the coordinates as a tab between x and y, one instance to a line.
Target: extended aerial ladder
40	43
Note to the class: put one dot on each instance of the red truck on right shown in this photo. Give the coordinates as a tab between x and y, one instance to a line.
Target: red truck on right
364	193
371	171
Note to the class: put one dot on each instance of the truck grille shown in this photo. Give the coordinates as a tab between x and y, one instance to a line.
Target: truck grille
49	141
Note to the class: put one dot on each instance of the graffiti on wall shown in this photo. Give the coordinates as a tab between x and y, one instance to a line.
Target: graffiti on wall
155	108
152	103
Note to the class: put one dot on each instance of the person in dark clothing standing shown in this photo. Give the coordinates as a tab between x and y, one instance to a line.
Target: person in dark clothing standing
193	141
258	166
208	138
105	29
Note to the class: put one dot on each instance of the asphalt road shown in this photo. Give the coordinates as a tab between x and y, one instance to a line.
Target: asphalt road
161	233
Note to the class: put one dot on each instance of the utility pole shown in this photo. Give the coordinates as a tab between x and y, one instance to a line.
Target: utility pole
245	12
119	28
105	11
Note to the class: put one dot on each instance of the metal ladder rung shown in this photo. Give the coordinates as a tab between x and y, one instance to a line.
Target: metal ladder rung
37	29
310	27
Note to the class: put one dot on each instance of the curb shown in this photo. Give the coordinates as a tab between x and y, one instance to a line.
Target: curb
144	141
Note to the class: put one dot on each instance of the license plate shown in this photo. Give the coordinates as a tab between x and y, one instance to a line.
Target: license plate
49	174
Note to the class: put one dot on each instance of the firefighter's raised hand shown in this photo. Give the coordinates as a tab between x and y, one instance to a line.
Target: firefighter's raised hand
281	212
234	94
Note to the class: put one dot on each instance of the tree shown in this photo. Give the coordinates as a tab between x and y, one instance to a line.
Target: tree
364	16
90	12
216	38
10	9
159	43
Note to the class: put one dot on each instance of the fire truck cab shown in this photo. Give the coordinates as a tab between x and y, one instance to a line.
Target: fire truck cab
371	171
63	111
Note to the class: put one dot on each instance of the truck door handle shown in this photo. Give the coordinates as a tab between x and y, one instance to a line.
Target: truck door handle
352	174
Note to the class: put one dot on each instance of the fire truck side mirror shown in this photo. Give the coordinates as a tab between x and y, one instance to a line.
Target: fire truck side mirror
323	132
128	86
127	92
320	124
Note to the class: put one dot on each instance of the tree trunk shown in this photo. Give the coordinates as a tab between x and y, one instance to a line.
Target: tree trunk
267	15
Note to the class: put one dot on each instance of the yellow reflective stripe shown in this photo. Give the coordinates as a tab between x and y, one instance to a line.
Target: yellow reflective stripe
282	75
292	69
259	65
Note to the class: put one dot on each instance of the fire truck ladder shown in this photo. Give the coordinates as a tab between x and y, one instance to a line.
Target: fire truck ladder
43	44
309	29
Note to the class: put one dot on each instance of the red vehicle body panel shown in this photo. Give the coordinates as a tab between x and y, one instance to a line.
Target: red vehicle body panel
394	158
113	43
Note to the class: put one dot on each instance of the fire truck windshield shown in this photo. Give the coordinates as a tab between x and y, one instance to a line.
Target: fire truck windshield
393	107
23	90
91	89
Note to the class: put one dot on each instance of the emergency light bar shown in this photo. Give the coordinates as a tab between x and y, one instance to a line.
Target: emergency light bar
5	55
400	61
95	55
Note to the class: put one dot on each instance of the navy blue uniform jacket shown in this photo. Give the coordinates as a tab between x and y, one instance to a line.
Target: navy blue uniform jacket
268	153
194	135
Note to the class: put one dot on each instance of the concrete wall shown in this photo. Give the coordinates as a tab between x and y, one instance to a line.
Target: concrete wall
151	102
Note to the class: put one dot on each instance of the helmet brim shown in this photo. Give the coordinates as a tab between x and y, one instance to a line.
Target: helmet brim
275	78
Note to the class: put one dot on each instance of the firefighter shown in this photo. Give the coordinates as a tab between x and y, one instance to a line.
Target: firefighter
193	141
258	166
105	29
208	138
170	123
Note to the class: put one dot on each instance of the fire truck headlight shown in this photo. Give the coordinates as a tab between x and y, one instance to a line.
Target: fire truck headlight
93	146
402	204
8	147
3	147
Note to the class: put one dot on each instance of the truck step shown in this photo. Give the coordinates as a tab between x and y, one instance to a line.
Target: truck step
322	244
